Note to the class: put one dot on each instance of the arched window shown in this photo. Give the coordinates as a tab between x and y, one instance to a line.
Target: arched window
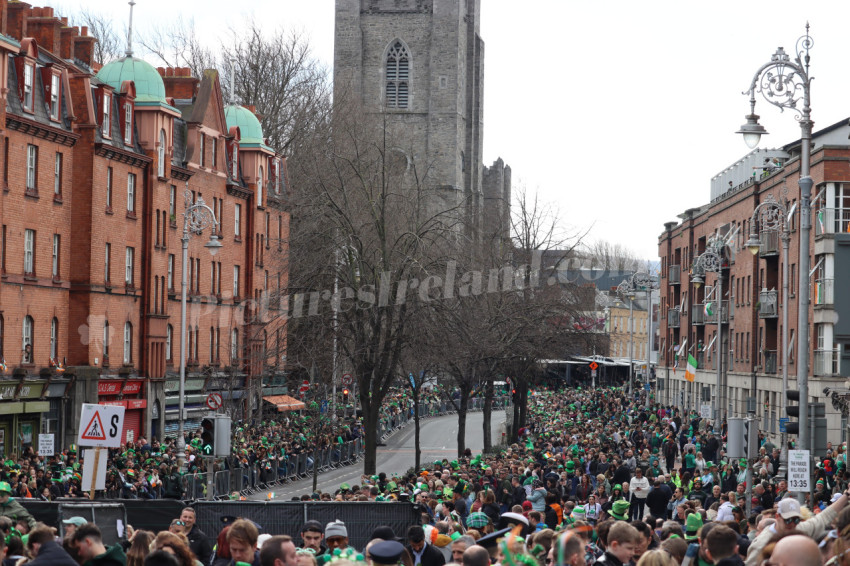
234	347
106	339
169	332
260	186
397	76
26	340
54	339
160	155
128	342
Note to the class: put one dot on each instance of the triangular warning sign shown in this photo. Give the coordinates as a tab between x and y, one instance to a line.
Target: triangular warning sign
94	430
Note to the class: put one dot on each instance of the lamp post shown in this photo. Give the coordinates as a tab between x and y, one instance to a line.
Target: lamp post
196	219
787	84
772	216
711	260
629	288
625	290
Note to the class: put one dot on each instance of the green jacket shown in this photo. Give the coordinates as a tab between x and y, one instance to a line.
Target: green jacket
114	556
16	511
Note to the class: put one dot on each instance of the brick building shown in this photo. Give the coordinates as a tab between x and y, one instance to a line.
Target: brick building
98	168
752	306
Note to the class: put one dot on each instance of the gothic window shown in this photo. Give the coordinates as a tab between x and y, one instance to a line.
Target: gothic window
398	76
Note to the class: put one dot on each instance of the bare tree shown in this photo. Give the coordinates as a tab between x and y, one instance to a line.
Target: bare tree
612	256
177	44
110	43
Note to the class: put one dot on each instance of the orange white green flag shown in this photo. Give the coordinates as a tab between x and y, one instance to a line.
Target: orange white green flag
691	370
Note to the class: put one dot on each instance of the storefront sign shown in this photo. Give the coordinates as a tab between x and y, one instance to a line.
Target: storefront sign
46	445
117	387
126	403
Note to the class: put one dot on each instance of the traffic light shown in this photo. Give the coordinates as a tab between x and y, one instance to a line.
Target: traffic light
792	413
345	395
208	436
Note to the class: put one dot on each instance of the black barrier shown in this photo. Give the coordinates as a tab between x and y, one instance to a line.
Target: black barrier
287	517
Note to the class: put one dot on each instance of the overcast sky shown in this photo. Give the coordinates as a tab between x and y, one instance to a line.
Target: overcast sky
618	113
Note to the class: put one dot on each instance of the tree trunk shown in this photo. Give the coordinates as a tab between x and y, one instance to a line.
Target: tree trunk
488	413
461	420
515	426
370	426
417	448
523	402
315	468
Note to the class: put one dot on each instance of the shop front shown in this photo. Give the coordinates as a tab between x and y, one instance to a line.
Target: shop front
27	409
194	403
129	394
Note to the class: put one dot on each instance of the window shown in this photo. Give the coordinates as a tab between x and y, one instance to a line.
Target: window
201	149
214	152
169	340
260	187
54	337
107	104
235	161
212	278
191	348
32	168
54	97
212	345
171	271
129	260
128	123
128	342
107	263
268	235
237	220
106	340
109	188
26	341
55	260
234	347
57	175
131	193
160	156
29	72
2	327
29	252
235	281
397	76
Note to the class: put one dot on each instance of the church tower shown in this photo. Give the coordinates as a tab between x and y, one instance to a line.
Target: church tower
421	63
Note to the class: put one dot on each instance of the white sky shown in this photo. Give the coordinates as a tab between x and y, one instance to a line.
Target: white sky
617	112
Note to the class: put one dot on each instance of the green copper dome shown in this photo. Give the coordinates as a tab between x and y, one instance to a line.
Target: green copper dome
149	85
249	126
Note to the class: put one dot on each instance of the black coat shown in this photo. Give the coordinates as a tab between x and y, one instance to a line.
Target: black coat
658	499
200	545
622	475
430	556
51	553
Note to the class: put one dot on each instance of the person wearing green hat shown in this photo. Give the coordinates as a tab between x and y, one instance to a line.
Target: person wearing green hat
619	510
10	507
692	526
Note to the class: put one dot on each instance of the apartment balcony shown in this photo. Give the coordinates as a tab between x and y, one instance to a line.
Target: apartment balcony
674	317
825	363
711	318
824	292
769	243
768	306
698	314
829	221
770	361
674	274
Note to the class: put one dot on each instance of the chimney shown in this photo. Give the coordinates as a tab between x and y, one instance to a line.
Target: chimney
17	22
4	15
179	83
66	41
84	46
45	29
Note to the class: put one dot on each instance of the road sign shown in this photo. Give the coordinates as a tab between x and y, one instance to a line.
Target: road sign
305	387
46	446
214	401
324	406
594	365
782	421
347	380
647	387
593	373
412	380
705	411
100	426
799	471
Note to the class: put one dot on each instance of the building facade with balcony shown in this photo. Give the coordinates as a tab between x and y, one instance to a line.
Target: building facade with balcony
750	309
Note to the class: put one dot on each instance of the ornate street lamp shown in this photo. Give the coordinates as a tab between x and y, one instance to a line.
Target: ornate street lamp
711	260
629	288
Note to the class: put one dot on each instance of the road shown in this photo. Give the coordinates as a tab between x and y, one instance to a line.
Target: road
438	438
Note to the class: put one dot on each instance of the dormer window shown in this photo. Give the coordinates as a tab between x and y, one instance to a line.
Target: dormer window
107	105
128	123
54	97
260	187
29	75
235	162
160	155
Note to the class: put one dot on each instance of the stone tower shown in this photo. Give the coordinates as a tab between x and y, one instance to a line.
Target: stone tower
421	62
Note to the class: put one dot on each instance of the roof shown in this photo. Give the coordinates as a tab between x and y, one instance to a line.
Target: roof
250	130
285	403
150	90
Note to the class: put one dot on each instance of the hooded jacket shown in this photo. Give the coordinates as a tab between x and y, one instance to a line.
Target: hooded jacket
114	556
51	553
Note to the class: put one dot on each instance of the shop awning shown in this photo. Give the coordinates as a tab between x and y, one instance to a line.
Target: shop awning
285	403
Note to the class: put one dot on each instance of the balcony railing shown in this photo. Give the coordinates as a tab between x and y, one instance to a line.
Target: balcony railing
825	363
675	274
769	243
824	292
831	220
698	313
770	357
768	307
711	318
674	317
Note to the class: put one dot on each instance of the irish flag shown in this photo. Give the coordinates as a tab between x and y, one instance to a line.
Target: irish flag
708	309
691	370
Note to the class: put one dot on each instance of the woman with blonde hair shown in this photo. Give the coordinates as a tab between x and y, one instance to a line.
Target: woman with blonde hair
656	558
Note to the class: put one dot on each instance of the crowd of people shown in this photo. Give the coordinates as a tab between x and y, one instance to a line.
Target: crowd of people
594	478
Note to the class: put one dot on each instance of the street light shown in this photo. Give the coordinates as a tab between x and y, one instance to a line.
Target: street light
786	84
629	288
772	216
711	260
196	219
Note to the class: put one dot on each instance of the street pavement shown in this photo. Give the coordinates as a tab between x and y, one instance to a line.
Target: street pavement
438	439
